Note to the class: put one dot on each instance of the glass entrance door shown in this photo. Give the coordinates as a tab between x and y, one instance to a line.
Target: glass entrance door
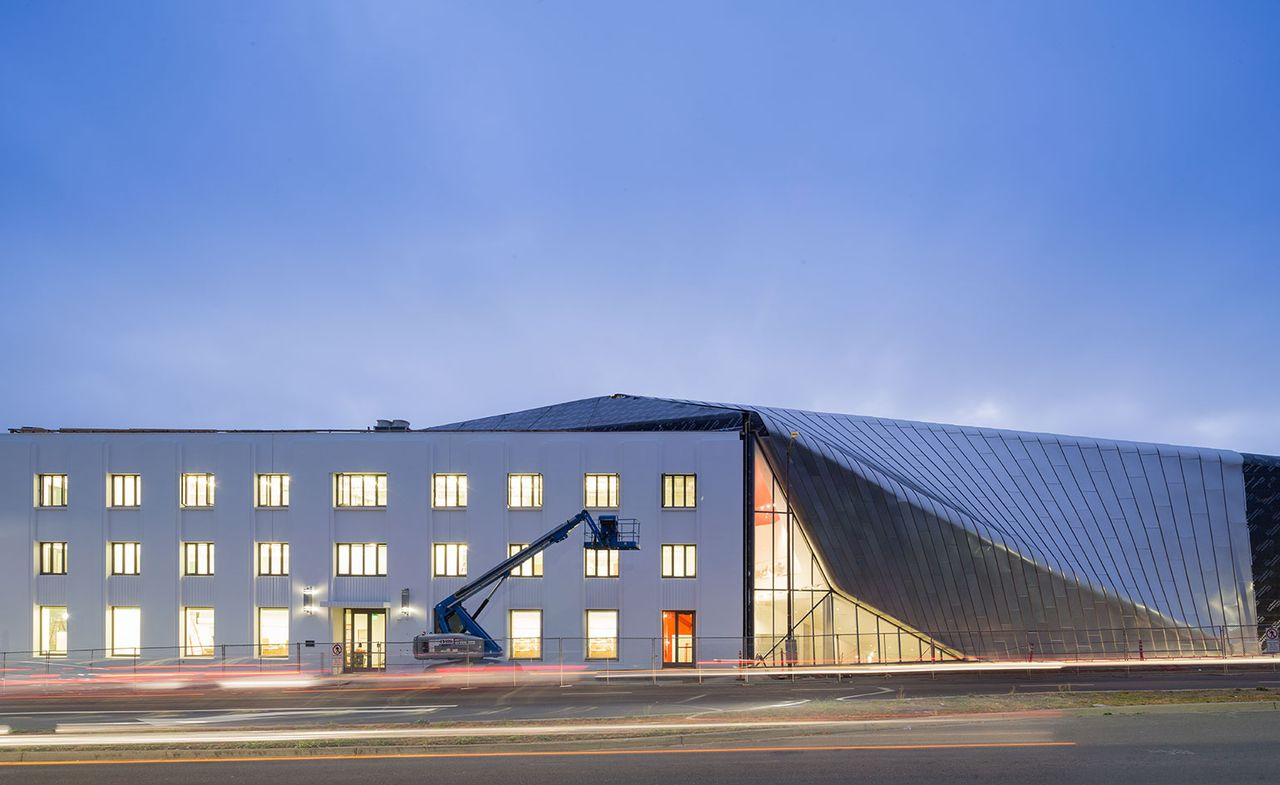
364	639
677	638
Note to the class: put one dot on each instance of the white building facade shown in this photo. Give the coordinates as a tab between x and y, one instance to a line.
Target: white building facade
244	546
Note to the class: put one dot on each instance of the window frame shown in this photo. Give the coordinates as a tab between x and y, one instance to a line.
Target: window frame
587	638
44	628
380	490
257	622
189	484
349	549
461	490
461	554
511	638
48	555
613	493
258	486
613	568
686	548
123	560
685	480
535	565
282	551
113	650
193	548
45	491
535	490
207	650
133	478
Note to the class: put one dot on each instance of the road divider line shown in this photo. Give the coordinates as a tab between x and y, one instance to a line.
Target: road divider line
546	753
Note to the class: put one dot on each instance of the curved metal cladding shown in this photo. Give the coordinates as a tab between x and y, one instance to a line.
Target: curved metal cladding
992	541
1262	486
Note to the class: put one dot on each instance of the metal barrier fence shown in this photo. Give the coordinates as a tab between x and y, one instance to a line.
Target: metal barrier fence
604	657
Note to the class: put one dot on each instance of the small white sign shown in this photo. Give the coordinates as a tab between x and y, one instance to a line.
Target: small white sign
337	649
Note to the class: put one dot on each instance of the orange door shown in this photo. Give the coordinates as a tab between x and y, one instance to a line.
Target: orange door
677	638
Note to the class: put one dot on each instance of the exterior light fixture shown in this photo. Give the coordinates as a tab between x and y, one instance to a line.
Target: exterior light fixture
308	600
405	610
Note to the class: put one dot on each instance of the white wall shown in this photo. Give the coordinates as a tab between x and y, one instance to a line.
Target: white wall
408	525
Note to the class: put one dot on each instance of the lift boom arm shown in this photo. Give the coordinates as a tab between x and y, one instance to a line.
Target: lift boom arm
452	617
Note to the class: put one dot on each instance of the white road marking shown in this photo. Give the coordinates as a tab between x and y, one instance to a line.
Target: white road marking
694	698
874	692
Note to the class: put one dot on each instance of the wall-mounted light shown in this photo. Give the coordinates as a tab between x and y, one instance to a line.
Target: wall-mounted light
308	600
405	610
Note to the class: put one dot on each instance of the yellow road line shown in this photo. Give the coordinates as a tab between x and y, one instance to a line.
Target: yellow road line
544	753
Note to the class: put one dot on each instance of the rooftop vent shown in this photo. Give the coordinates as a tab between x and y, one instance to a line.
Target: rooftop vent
391	425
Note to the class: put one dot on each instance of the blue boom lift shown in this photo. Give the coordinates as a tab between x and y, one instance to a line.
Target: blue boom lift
458	636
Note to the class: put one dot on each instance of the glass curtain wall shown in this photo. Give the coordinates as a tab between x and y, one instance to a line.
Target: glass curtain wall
792	593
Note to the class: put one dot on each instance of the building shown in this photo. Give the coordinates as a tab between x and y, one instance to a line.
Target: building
770	534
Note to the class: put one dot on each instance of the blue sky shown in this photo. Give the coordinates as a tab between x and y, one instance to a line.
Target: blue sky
1050	216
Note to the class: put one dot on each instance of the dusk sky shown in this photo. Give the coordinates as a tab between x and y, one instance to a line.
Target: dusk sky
1055	216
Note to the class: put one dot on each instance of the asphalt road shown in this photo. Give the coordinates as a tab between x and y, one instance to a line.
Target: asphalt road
387	702
1145	749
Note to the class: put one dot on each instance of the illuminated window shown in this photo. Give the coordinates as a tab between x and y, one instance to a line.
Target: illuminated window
530	568
679	561
360	490
679	490
448	491
362	558
600	563
526	634
126	558
197	632
197	558
678	638
197	490
51	490
53	558
126	631
600	490
273	558
53	631
272	490
524	491
124	490
602	635
449	560
273	632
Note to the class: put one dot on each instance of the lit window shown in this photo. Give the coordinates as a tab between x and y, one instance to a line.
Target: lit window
124	490
197	558
529	568
51	490
197	490
679	490
272	490
601	563
679	561
53	558
448	491
600	491
360	490
526	635
524	491
53	631
126	631
362	558
126	558
273	632
273	558
197	632
602	635
449	560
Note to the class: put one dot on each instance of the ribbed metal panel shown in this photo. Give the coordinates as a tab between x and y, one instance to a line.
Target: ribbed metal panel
525	592
356	591
679	594
198	591
603	593
272	591
124	590
51	590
